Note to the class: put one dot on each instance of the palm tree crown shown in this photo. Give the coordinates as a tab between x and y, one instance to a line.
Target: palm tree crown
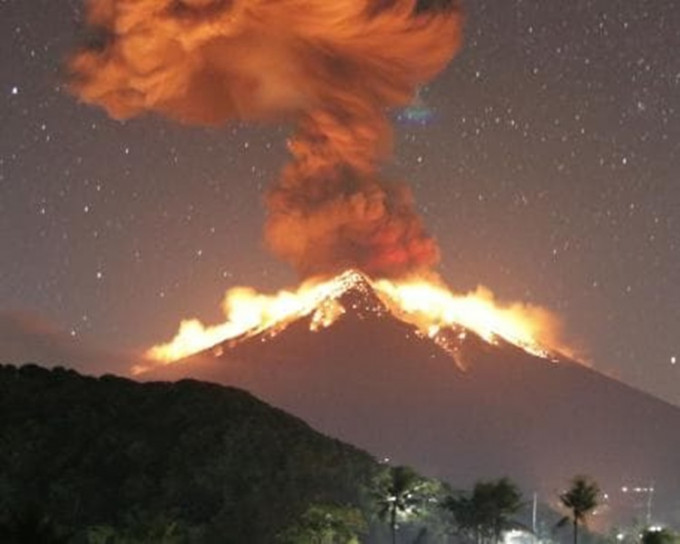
485	514
581	498
397	495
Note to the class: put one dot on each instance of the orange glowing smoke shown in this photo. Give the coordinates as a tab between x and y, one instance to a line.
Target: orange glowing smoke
333	67
429	306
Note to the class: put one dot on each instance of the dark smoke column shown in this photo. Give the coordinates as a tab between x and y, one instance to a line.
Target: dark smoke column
332	66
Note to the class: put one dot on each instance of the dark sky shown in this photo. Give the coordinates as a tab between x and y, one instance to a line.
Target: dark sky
545	160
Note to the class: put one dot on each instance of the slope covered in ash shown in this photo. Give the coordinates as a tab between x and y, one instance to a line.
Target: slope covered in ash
376	382
195	461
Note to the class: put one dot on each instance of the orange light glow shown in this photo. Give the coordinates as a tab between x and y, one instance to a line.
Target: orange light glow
432	307
429	306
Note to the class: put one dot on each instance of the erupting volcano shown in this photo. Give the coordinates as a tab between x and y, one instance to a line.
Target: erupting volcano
430	308
364	349
334	69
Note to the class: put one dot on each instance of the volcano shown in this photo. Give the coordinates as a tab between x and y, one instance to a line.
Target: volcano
453	404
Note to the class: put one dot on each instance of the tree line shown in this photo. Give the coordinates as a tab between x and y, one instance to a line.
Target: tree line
416	509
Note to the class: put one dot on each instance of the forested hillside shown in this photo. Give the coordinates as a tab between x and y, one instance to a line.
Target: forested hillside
186	461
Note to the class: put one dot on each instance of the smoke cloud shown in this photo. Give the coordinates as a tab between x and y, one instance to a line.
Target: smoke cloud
332	67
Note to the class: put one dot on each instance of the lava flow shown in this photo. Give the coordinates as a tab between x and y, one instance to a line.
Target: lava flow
429	306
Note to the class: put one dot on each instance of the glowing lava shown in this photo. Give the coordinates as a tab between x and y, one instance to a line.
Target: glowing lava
429	306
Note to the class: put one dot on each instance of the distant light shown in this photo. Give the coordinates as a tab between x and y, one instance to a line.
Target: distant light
517	536
15	90
674	359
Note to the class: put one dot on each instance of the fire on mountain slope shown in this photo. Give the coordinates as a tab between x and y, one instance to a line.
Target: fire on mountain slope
429	306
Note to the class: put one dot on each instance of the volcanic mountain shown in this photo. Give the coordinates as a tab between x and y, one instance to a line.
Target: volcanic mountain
453	404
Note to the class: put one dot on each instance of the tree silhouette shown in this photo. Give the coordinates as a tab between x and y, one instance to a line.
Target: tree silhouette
581	498
658	536
465	515
29	525
486	512
325	524
398	493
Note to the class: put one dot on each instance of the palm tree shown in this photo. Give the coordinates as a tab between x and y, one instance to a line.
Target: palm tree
485	513
581	498
397	495
465	515
500	499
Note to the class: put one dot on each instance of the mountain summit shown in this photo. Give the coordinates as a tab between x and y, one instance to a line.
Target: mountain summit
450	402
352	295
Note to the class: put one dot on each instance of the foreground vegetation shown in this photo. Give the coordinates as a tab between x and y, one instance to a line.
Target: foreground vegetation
111	461
159	462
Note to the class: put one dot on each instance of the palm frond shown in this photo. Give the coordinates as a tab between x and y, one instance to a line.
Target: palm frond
562	522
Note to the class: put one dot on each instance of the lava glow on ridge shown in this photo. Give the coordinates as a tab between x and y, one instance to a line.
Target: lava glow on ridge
429	306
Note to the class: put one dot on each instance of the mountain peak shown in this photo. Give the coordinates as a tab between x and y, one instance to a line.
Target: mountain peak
351	287
356	292
425	306
354	296
353	278
350	293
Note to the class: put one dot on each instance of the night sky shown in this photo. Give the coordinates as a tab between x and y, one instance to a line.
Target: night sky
544	159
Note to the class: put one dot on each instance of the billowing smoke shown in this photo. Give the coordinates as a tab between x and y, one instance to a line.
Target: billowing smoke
333	67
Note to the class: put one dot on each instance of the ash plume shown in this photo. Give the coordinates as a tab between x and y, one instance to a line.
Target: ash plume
332	67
